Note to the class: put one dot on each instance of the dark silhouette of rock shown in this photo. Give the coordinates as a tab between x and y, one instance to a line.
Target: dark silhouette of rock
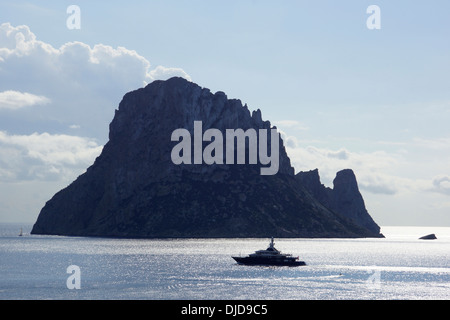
133	189
429	237
344	199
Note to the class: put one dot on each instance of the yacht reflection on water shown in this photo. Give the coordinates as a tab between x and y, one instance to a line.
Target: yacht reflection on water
270	257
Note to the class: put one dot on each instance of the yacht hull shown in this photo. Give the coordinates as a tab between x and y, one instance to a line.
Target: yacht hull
262	261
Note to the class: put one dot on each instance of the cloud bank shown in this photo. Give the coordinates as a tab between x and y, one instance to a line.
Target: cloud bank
15	100
74	85
45	157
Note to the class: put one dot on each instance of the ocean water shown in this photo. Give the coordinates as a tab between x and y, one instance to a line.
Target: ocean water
397	267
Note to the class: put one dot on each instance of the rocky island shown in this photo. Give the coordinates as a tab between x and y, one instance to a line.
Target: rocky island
135	190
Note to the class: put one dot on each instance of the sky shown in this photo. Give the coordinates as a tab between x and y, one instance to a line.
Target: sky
343	95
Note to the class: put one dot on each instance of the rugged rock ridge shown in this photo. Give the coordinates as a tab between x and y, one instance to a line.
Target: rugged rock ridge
344	199
133	189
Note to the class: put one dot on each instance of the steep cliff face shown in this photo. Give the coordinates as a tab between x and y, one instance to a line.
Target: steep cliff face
134	189
344	199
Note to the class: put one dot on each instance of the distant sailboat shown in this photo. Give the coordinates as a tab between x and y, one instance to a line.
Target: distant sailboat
20	234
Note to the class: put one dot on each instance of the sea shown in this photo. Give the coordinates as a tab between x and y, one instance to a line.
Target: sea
399	266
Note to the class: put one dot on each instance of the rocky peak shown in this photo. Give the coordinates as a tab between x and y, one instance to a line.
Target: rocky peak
163	106
345	183
311	179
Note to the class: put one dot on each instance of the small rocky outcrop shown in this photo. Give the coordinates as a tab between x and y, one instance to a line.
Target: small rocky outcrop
134	189
431	236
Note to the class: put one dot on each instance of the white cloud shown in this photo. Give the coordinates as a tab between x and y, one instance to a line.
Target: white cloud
381	183
83	84
76	61
341	154
15	100
162	73
441	184
294	124
16	39
436	144
45	156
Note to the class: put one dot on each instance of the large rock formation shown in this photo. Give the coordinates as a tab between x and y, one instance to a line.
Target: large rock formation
133	189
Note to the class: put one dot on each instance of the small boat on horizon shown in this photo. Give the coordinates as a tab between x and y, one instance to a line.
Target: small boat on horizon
20	234
270	257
